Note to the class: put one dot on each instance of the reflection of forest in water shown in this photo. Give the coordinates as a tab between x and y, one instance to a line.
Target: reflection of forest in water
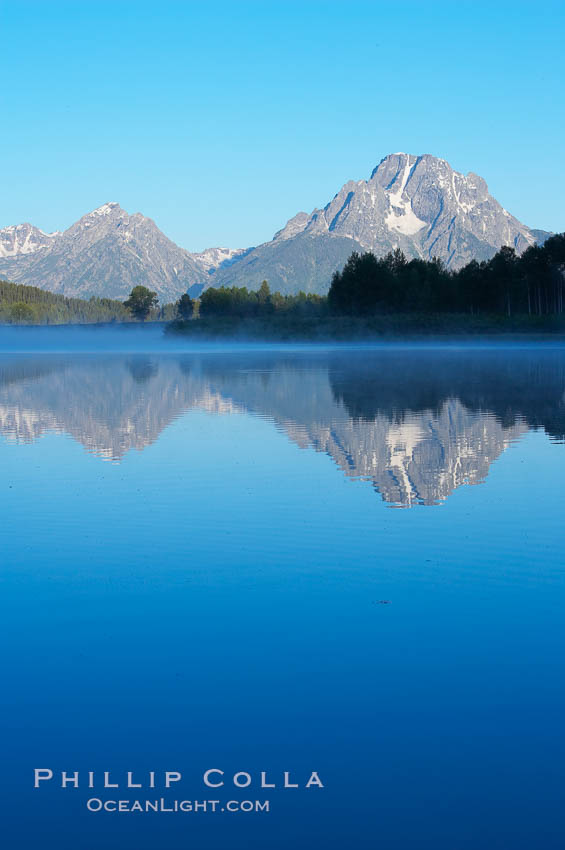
511	385
417	423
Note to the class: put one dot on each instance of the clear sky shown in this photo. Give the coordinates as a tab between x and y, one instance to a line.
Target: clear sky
221	120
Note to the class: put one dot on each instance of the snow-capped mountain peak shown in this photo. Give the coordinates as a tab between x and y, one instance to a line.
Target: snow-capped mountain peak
106	253
213	258
24	239
106	209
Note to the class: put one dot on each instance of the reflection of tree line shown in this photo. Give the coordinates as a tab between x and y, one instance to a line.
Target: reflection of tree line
417	453
14	369
147	391
518	386
512	385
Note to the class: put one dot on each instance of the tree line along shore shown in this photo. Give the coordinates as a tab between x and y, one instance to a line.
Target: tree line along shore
369	295
30	305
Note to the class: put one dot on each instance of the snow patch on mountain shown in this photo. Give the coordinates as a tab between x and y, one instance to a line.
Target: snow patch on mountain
24	239
214	258
401	216
106	209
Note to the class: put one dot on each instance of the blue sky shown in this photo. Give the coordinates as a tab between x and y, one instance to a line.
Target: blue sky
221	120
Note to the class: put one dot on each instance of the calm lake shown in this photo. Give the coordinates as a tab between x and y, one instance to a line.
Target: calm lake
348	561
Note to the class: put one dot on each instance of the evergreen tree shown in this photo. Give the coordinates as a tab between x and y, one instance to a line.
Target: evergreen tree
49	308
185	306
506	284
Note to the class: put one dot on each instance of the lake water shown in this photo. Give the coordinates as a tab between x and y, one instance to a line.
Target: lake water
341	561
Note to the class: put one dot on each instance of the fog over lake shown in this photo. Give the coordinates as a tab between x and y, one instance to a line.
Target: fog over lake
202	569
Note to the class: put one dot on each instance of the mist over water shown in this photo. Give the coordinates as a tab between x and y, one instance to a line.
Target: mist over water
85	338
151	337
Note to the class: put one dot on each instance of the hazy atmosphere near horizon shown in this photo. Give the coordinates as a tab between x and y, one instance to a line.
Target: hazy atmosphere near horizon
222	120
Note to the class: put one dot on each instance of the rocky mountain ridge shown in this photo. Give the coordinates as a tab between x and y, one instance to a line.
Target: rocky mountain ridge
24	238
416	203
106	253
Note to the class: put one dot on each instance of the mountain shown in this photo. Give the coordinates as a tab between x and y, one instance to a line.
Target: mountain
215	258
416	203
105	253
24	239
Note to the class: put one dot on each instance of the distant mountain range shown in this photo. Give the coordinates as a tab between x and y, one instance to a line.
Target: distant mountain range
416	203
105	253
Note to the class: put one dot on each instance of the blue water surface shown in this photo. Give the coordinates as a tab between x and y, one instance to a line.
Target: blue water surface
348	562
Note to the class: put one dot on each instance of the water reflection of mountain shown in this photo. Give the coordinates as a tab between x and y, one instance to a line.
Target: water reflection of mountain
416	424
520	384
110	405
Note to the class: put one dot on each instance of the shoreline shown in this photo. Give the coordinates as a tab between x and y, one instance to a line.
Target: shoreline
381	328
